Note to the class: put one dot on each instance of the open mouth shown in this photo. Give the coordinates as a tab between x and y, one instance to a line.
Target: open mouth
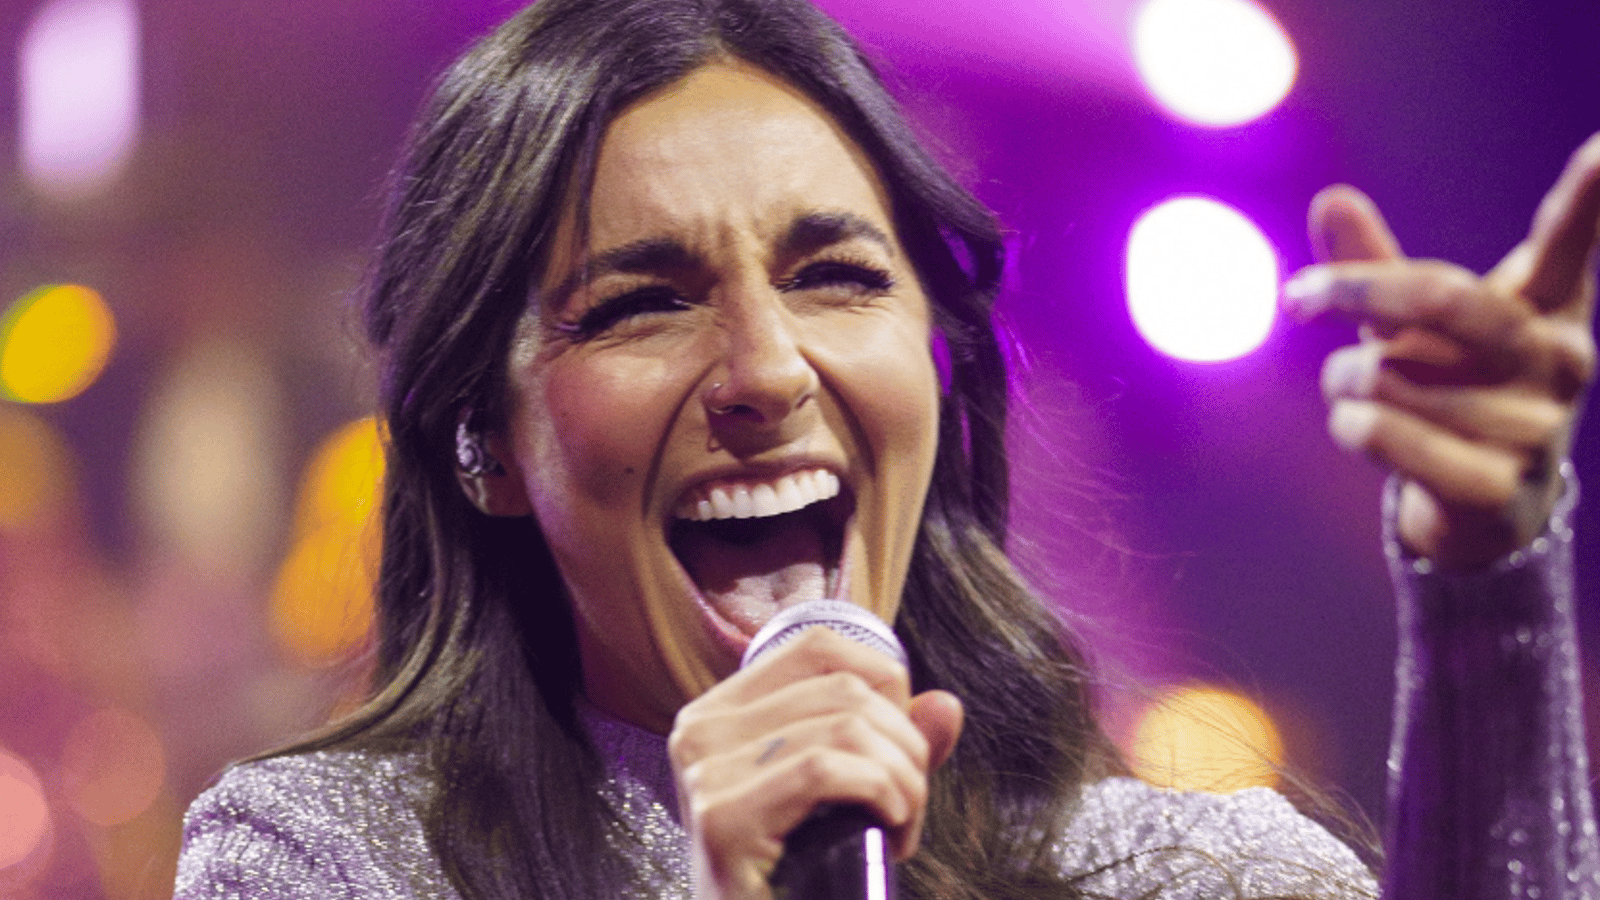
753	548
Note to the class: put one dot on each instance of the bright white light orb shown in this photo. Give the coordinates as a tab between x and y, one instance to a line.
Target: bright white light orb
1213	62
79	114
1202	280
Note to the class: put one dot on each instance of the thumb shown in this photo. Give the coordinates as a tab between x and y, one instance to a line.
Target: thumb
1345	226
938	715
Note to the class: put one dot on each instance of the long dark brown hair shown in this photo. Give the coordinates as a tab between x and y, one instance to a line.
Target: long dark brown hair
477	660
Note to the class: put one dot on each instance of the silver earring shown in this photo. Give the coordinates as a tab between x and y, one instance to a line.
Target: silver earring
472	458
711	402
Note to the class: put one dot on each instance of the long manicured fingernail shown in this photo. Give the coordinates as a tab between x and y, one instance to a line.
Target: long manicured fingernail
1351	423
1353	371
1308	292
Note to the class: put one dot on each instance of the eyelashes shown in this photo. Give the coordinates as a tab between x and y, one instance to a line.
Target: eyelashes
839	282
866	277
612	311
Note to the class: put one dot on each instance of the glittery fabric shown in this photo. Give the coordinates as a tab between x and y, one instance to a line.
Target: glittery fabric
344	825
1494	800
1491	802
337	825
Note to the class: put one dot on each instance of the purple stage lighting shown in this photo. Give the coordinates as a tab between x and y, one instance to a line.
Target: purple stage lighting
80	107
1213	63
1202	280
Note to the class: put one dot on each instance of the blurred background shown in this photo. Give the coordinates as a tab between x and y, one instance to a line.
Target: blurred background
189	188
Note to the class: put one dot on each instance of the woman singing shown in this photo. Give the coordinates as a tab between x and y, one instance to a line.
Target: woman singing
681	327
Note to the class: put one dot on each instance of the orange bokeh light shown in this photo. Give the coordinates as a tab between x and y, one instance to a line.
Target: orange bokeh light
113	766
37	467
321	606
1203	738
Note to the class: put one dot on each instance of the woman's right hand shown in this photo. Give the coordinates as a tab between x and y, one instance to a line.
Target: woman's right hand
821	719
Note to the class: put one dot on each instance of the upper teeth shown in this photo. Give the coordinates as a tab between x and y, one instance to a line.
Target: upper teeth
766	498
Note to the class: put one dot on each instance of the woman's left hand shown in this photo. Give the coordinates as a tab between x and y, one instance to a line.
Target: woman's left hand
1469	387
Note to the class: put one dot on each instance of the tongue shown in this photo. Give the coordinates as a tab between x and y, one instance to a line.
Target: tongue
749	580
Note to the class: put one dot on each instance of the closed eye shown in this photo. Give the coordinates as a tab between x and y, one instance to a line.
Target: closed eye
858	278
613	311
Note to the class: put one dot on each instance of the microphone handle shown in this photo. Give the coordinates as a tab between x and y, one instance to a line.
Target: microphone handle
840	852
837	853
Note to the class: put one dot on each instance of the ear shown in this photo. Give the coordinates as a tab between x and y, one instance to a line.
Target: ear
498	491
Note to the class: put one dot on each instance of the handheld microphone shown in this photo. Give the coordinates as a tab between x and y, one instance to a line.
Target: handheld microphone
839	852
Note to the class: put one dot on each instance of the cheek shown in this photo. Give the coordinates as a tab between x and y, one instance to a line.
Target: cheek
900	395
593	433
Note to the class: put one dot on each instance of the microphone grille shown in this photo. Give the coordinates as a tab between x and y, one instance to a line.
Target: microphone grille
847	619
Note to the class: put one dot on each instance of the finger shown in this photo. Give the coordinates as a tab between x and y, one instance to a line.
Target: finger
1345	226
709	728
1553	267
1393	296
774	799
844	732
1516	416
819	651
1455	470
938	715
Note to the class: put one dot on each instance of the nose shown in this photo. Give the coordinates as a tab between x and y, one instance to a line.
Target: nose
764	376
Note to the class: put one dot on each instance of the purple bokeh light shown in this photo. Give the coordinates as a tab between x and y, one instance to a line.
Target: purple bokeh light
80	94
1202	280
1214	63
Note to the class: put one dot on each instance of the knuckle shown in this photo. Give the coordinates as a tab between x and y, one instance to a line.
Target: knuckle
1546	421
1448	288
693	778
695	735
849	730
1572	363
682	745
847	688
705	813
814	766
818	639
899	802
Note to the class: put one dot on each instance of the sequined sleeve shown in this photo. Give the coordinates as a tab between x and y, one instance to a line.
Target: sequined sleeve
1488	771
341	826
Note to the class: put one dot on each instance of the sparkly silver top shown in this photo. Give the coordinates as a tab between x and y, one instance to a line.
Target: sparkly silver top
1489	786
345	825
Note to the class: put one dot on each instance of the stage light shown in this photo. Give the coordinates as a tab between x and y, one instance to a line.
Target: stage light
209	485
37	463
321	604
341	482
54	342
113	765
1202	280
1214	63
79	109
1201	738
24	813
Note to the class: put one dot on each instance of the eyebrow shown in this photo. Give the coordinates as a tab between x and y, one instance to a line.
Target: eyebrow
636	257
811	232
808	233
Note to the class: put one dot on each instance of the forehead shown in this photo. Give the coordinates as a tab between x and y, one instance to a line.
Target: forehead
728	145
